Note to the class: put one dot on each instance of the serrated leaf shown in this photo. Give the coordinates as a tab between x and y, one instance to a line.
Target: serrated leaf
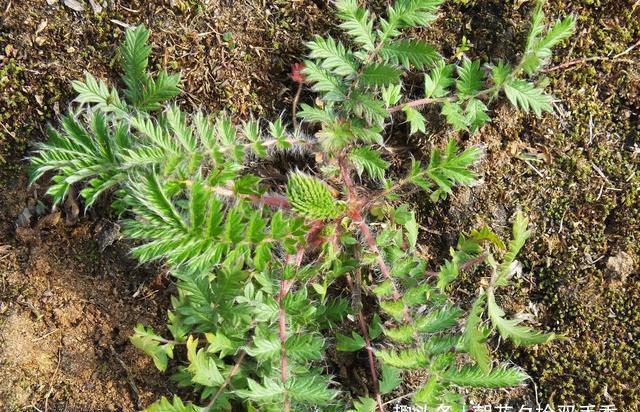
391	94
511	328
526	96
202	367
366	159
357	23
379	75
474	336
473	376
438	320
401	334
390	379
323	81
364	405
394	308
455	115
500	73
268	390
409	53
153	345
476	113
411	226
176	405
470	78
333	55
347	344
520	234
310	389
415	119
438	80
429	394
311	197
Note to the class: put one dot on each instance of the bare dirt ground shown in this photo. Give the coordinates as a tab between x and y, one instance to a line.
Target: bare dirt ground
67	308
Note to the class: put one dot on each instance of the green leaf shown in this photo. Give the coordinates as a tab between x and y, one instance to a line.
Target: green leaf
449	168
380	75
98	93
401	334
455	115
500	73
311	197
430	393
315	114
470	78
511	328
267	391
390	379
364	405
310	389
474	336
366	159
384	289
415	119
391	94
562	30
135	55
394	308
411	226
526	96
153	345
347	344
324	81
264	348
438	320
519	237
476	113
409	53
333	55
357	23
473	376
202	367
440	77
304	347
164	405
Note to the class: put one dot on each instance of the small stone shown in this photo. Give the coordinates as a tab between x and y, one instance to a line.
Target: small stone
621	264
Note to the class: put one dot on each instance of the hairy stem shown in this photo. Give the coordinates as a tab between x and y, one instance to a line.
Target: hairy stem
356	214
282	323
294	106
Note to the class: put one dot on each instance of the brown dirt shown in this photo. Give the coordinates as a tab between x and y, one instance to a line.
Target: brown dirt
64	304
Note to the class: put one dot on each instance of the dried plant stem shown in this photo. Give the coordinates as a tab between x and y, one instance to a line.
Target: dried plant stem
226	382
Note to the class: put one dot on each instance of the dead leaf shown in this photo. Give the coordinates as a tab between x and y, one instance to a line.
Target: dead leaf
97	8
41	26
74	5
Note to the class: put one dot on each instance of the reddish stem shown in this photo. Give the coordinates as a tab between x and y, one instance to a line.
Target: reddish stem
284	286
356	214
271	200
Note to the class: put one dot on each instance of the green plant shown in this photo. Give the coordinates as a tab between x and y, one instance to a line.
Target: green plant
258	266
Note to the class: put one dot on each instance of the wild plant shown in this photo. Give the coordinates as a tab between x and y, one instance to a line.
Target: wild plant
273	273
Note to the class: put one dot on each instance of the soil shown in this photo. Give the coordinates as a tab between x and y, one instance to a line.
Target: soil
67	307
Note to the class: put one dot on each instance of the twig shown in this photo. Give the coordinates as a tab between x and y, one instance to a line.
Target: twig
226	382
132	384
46	397
592	59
